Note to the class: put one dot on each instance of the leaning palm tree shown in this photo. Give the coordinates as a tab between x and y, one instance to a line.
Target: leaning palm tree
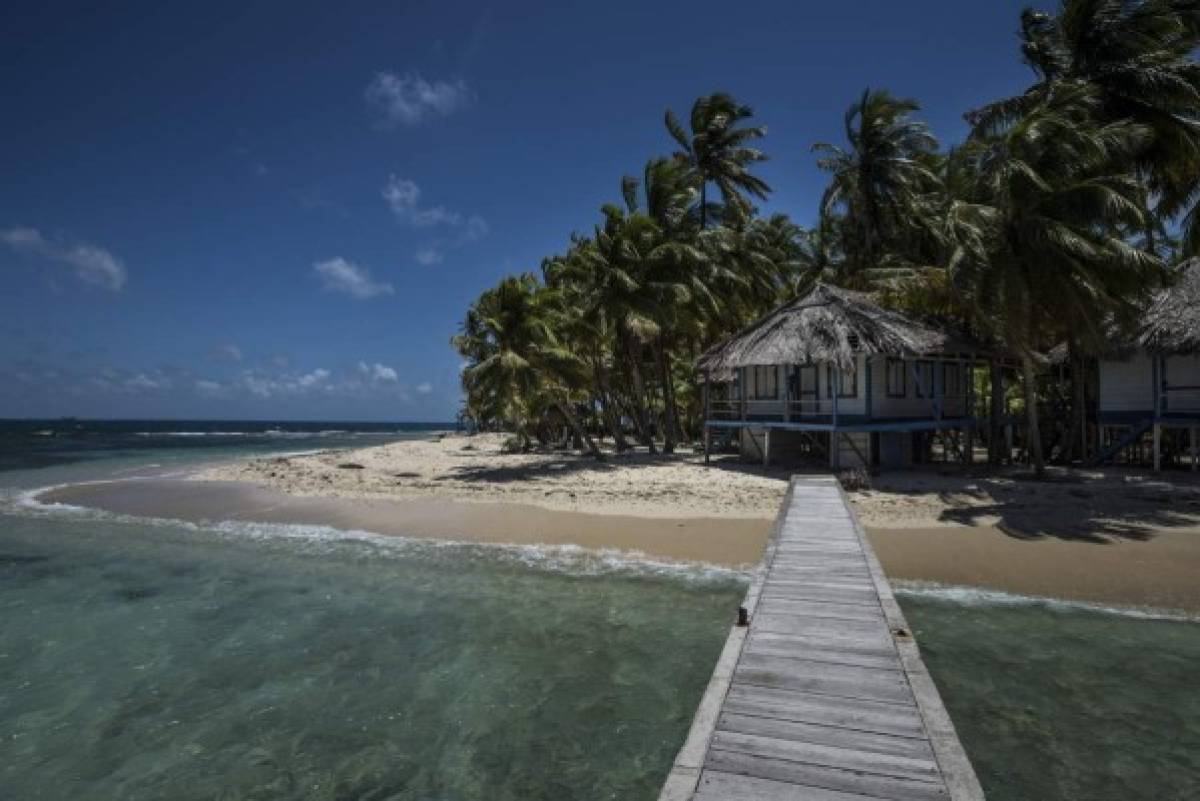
1039	231
523	364
1138	56
884	184
716	151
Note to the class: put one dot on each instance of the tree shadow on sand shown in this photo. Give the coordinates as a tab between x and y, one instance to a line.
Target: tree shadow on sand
1069	505
564	463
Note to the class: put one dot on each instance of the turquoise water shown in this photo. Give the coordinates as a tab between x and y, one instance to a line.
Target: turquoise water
1054	701
151	659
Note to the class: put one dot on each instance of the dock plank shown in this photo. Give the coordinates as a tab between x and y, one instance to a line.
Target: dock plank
819	699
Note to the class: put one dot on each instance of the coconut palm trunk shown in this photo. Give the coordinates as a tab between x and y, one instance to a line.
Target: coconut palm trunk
1029	376
578	430
670	414
604	395
996	439
639	393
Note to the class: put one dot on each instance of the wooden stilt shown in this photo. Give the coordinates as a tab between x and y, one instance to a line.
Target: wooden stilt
1157	447
1008	443
1193	438
707	414
766	447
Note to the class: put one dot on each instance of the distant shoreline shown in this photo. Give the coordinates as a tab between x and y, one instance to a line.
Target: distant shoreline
727	542
1107	537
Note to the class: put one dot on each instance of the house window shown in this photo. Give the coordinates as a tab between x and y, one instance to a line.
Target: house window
764	383
897	378
951	381
809	381
849	382
925	388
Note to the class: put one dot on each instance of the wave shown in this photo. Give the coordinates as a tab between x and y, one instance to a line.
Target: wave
570	560
978	596
284	433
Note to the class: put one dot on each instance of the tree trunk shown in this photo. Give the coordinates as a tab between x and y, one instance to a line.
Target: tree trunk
670	428
996	439
639	393
611	419
578	430
1029	375
703	203
1078	377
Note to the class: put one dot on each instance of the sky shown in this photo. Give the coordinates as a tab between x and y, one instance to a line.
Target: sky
268	210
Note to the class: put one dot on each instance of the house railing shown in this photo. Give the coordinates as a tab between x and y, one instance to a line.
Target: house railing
1178	399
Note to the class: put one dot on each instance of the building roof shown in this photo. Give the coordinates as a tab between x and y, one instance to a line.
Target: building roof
1172	321
829	324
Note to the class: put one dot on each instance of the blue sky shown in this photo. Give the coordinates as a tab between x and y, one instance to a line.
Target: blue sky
282	210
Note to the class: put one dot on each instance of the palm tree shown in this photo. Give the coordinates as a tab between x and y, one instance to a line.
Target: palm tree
523	365
885	185
1138	57
716	151
1038	233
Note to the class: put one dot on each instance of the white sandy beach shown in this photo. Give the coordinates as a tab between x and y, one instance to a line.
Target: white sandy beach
1112	536
473	468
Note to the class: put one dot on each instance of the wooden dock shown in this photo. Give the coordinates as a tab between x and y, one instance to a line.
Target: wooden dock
824	696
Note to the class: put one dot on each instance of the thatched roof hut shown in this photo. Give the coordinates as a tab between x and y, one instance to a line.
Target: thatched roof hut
1171	324
829	324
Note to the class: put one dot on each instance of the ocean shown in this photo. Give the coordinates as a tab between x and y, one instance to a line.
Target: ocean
151	659
155	659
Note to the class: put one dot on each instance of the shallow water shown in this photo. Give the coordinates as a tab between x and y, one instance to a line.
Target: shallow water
1059	701
150	659
166	662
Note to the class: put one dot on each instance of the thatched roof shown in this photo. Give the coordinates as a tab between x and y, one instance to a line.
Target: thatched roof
829	324
1172	322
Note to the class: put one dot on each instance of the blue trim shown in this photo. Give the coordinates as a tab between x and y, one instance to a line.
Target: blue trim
859	424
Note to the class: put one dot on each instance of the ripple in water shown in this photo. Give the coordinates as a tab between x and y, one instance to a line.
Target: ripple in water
1064	701
153	660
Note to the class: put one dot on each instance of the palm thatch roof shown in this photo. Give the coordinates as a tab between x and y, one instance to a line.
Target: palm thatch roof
829	324
1171	324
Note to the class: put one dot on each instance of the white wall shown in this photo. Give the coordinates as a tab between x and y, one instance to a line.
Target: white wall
912	404
1183	371
1127	385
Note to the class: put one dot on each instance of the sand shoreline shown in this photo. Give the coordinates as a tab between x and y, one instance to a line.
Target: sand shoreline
1118	538
728	542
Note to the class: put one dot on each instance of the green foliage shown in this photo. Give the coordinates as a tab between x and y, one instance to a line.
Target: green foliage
1049	223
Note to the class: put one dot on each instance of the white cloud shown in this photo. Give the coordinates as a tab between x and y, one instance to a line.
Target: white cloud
227	353
378	372
211	388
404	199
429	255
475	228
144	383
316	377
409	99
339	275
92	264
424	388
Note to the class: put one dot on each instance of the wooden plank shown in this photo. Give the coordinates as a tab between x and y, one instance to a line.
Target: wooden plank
797	606
858	741
847	681
921	769
847	713
826	777
718	786
820	701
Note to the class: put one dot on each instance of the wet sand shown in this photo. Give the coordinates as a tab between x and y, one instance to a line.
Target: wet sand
731	541
1162	572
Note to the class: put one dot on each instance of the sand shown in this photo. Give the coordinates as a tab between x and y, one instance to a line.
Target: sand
473	469
725	541
1115	536
1111	537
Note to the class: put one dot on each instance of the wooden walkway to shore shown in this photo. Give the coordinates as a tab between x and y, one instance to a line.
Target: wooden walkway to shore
823	697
